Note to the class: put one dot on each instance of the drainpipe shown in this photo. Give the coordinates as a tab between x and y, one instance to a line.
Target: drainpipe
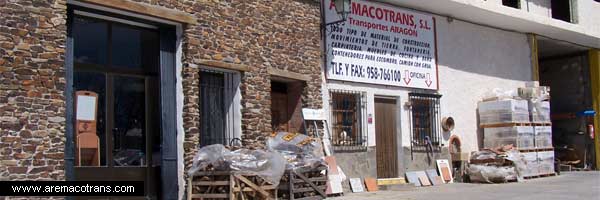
594	61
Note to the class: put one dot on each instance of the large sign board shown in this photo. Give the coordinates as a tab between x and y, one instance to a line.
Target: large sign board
381	44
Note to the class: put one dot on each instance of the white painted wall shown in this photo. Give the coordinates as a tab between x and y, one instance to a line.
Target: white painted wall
539	7
472	60
492	13
589	16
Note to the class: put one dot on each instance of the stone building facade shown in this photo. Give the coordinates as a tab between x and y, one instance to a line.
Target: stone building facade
32	81
259	39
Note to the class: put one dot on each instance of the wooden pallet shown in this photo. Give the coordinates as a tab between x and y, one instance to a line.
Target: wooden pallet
229	185
541	124
508	124
303	184
540	176
535	150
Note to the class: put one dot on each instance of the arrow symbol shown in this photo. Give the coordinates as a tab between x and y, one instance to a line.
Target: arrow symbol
428	81
406	77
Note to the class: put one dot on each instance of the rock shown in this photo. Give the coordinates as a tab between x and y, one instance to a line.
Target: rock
9	119
17	170
56	119
40	133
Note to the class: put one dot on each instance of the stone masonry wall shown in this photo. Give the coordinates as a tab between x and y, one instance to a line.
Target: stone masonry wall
260	34
32	82
281	34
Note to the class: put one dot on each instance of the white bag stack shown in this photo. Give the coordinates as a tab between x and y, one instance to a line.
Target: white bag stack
521	137
546	162
503	111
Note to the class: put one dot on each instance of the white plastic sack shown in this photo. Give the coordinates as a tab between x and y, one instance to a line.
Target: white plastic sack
265	164
299	150
491	173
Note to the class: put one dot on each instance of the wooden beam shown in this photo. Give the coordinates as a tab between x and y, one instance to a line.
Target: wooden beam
146	9
594	60
288	74
252	185
535	66
224	65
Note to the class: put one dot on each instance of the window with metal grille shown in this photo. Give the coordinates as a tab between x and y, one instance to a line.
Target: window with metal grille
425	121
219	107
347	112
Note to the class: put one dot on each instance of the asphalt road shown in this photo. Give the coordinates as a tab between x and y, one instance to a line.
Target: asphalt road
571	185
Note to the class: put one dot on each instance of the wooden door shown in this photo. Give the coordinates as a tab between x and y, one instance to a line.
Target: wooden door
385	134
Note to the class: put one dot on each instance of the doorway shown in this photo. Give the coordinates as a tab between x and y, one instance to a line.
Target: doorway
124	63
286	106
385	136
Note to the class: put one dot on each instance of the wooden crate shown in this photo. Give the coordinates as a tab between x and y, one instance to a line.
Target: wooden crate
303	184
229	185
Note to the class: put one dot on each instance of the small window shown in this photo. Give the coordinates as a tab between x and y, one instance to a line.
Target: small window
425	121
562	10
512	3
347	111
220	115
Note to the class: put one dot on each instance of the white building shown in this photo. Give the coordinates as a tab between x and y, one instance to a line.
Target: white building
476	46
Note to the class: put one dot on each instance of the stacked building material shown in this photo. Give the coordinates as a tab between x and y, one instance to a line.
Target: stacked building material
504	111
521	137
506	122
524	122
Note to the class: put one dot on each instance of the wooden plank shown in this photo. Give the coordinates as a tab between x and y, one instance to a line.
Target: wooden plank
247	189
320	191
210	183
316	179
252	185
287	74
146	9
225	65
211	196
291	184
231	186
189	184
212	173
308	189
506	124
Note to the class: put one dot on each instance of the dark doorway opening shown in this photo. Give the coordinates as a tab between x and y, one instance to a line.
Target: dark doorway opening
286	106
130	65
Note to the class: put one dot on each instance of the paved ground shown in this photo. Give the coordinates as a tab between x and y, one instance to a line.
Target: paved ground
572	185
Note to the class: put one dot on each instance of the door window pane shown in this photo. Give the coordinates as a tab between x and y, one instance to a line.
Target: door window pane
94	82
90	40
134	48
129	134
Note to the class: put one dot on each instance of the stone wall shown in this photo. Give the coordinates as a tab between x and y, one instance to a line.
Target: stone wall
259	34
32	82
